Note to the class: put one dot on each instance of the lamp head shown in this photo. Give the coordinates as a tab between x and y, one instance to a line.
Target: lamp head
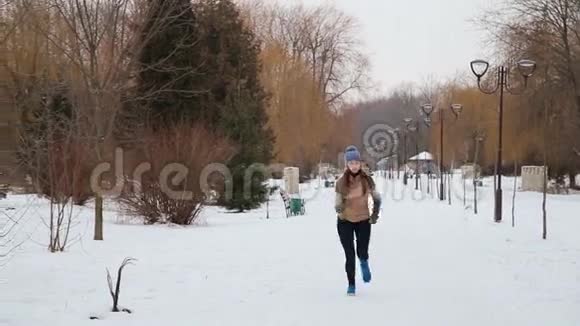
427	109
526	68
456	108
479	68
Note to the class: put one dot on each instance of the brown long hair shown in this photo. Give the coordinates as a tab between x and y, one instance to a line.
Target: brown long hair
345	182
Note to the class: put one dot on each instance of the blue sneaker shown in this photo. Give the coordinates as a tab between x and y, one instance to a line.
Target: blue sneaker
366	271
351	290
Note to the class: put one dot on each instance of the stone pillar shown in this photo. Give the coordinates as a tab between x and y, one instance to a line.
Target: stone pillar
292	180
533	178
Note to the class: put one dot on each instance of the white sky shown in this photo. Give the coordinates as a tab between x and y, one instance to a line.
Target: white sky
410	40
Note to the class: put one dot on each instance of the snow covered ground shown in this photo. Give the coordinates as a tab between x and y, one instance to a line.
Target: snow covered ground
433	264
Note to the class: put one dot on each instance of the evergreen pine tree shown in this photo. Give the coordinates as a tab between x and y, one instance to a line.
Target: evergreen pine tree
199	62
236	100
169	66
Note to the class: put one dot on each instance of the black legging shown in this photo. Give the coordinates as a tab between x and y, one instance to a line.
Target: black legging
346	232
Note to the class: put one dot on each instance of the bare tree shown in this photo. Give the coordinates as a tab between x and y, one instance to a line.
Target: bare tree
97	47
548	31
431	90
324	38
76	33
9	19
53	153
99	41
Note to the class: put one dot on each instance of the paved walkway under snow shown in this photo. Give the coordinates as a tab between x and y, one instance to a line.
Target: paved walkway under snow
433	264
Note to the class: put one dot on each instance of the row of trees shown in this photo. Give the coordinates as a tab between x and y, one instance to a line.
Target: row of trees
543	124
174	81
549	32
527	121
312	61
90	76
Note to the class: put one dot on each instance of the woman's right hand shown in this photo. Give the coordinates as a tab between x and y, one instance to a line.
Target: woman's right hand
373	218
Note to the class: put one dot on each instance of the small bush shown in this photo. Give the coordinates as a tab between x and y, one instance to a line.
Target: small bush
164	201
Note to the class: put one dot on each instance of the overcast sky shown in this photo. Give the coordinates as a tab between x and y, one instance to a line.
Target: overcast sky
409	40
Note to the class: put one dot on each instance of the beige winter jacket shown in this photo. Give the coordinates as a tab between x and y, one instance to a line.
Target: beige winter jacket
352	202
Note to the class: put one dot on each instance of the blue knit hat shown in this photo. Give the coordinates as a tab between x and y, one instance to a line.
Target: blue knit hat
351	153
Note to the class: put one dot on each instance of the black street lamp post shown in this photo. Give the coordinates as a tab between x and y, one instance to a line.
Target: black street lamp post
427	110
479	68
427	121
414	127
478	139
396	153
405	176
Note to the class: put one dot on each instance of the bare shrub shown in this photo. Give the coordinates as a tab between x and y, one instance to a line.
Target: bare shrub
56	159
169	191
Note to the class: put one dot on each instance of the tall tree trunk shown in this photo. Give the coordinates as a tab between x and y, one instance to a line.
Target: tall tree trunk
514	193
545	174
100	151
464	188
437	184
475	174
544	217
98	217
450	178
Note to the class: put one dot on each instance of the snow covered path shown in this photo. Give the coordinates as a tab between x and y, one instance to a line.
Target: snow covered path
432	264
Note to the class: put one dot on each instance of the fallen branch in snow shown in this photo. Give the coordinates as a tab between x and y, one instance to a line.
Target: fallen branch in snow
115	293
